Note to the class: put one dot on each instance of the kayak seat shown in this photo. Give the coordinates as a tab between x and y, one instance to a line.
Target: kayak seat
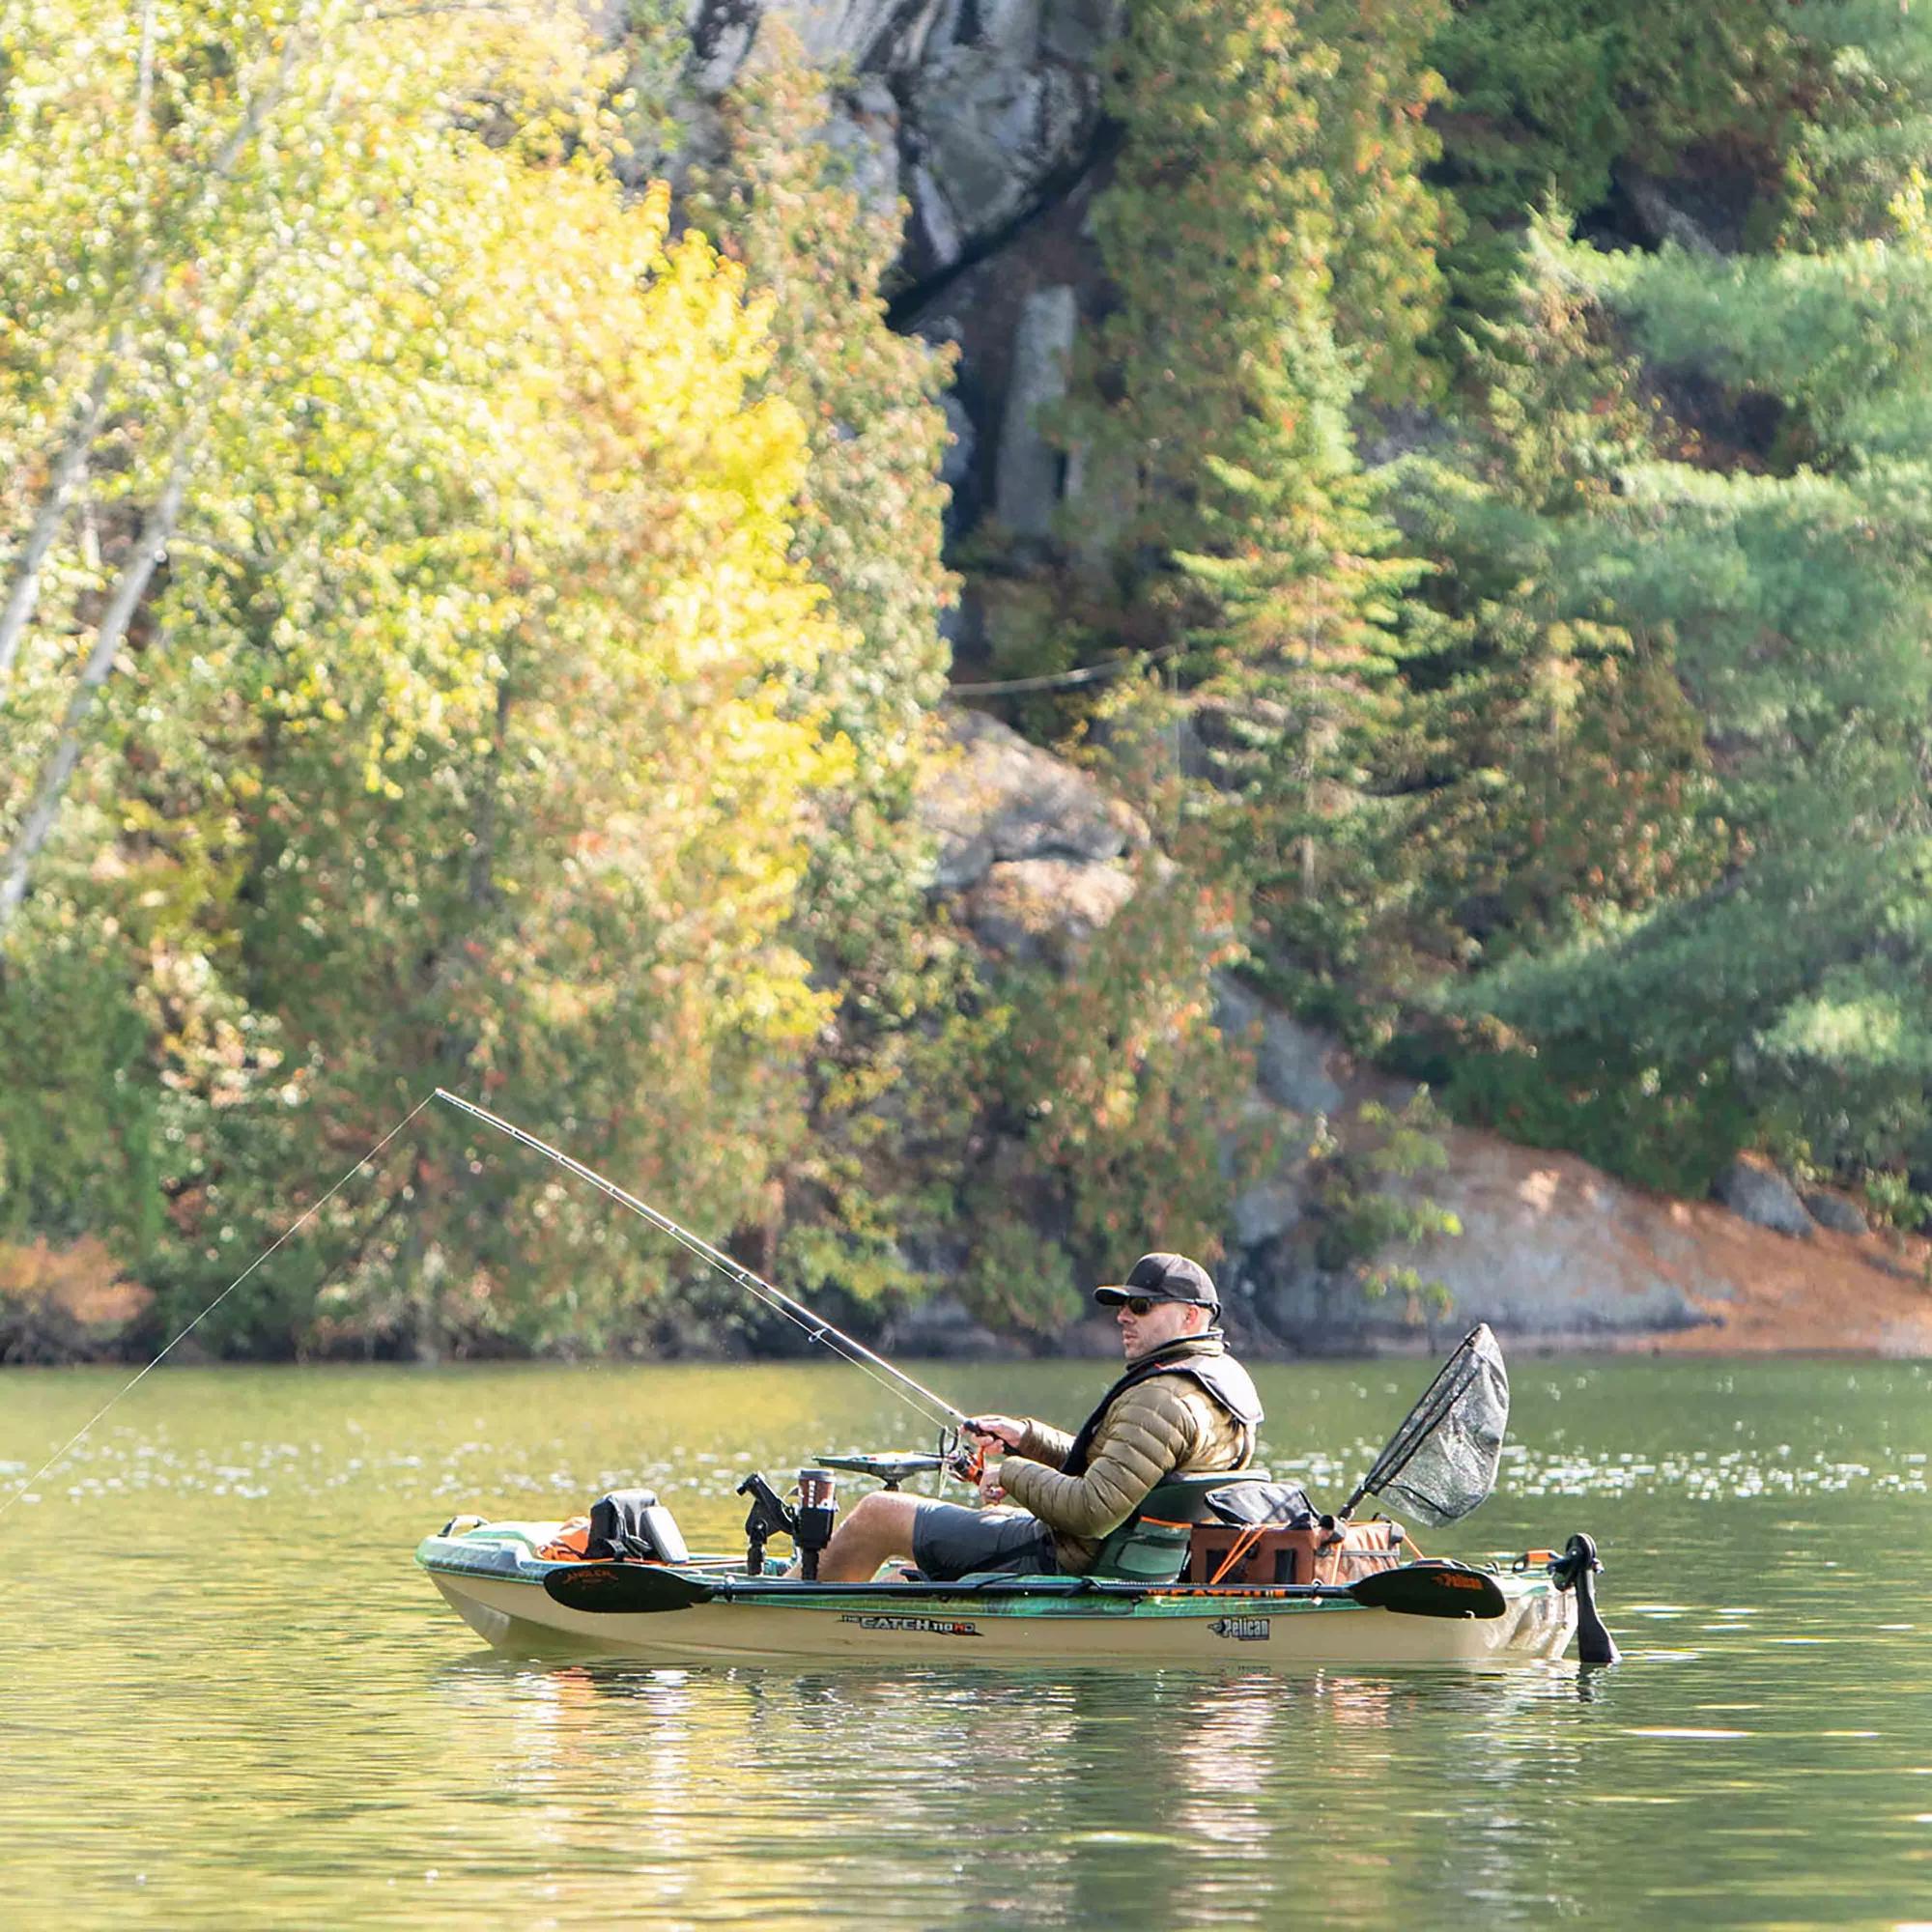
1152	1546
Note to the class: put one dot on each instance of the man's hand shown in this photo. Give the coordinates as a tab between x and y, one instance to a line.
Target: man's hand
990	1489
1009	1430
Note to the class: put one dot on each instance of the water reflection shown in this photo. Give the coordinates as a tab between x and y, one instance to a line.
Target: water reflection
1165	1799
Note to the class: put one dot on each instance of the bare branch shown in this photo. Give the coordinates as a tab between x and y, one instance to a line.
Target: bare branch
144	81
24	592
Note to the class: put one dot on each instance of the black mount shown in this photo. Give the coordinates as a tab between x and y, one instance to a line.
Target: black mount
1576	1569
769	1517
808	1525
891	1469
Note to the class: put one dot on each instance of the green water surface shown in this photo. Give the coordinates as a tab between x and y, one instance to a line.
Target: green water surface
229	1697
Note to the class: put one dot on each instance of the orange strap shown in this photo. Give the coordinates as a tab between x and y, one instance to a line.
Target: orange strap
1243	1544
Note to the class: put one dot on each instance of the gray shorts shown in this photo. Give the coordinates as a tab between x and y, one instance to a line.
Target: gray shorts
949	1541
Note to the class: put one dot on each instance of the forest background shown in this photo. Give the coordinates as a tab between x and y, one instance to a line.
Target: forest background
475	615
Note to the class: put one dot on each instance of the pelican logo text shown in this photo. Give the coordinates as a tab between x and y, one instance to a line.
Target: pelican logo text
1244	1630
1455	1582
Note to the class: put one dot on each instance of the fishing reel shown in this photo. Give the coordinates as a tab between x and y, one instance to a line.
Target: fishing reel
955	1455
963	1458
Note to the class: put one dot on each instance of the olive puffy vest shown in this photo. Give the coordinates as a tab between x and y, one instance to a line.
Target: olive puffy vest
1199	1359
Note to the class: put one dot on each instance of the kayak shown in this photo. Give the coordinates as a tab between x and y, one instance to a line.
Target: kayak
493	1575
1212	1567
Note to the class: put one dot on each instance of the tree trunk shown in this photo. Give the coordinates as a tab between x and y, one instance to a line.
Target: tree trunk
73	460
24	592
159	526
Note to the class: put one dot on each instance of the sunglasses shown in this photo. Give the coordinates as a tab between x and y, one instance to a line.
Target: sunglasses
1140	1305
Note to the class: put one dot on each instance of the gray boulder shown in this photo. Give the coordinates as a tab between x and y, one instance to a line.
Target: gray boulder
879	36
955	466
1834	1212
1553	1249
1044	909
867	133
994	124
943	1327
1000	798
999	99
1662	219
1270	1208
1102	496
942	240
1757	1190
1076	31
1290	1060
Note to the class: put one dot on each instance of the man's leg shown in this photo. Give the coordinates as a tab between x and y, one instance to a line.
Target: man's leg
878	1529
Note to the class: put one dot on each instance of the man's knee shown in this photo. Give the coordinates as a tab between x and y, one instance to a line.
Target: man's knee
885	1517
878	1526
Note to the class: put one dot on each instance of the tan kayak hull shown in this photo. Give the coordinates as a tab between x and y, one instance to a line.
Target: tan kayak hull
1186	1630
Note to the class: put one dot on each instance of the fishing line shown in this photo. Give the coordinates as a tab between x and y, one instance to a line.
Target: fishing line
933	1408
915	1395
293	1228
818	1331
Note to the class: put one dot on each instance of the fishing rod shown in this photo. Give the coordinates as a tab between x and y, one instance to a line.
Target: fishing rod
815	1327
950	1420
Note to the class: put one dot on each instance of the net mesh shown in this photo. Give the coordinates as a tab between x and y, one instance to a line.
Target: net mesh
1442	1463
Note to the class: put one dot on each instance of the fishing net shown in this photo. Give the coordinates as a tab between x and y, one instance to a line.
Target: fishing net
1442	1463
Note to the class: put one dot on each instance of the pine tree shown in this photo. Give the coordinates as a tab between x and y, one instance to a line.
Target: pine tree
1268	164
1554	99
1556	772
1274	253
1378	145
1297	663
1784	1003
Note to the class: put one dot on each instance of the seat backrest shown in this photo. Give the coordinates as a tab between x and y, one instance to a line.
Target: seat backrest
1152	1546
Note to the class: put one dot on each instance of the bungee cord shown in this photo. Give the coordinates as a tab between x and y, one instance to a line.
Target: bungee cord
292	1229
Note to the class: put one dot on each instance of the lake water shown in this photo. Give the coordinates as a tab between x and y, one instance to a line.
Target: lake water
231	1699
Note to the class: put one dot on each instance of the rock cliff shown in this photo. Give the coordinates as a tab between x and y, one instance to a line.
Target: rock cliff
1552	1253
984	116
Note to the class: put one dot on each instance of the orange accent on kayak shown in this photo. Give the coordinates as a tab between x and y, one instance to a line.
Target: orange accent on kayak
571	1544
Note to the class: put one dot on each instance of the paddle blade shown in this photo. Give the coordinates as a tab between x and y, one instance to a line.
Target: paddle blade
623	1588
1430	1590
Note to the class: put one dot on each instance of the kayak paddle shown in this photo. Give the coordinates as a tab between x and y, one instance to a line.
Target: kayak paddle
1415	1590
1430	1590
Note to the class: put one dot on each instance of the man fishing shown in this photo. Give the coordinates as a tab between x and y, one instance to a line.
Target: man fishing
1184	1405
